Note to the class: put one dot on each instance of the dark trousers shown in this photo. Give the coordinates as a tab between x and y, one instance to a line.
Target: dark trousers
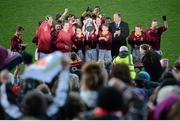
115	48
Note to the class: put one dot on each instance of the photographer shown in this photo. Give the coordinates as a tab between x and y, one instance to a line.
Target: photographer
16	41
90	31
154	33
120	31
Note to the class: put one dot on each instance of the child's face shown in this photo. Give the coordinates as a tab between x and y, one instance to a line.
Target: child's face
58	27
138	29
66	26
105	28
78	31
98	21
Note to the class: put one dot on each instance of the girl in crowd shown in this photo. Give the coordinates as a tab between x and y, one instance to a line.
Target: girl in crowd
105	41
78	42
91	41
136	38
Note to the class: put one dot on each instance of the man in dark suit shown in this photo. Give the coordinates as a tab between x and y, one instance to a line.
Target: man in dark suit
120	31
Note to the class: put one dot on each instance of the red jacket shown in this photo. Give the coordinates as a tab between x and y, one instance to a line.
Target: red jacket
65	39
44	38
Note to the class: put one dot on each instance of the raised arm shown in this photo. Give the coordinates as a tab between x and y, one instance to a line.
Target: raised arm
165	22
61	93
96	27
64	14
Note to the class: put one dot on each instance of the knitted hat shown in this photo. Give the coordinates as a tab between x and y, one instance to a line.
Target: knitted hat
144	75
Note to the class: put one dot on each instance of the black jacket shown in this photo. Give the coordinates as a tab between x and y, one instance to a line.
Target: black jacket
124	28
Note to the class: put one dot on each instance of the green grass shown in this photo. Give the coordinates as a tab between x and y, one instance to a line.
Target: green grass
28	12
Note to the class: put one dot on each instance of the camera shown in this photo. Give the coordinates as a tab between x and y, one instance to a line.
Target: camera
117	29
89	25
164	18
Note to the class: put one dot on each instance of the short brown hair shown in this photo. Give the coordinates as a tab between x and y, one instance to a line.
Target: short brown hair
19	28
177	65
138	25
122	72
145	47
93	78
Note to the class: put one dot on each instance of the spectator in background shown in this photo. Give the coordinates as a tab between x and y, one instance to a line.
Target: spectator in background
143	49
76	64
110	103
92	81
151	63
176	70
27	59
153	34
125	57
16	41
34	106
108	20
105	41
137	38
120	31
73	106
168	109
121	72
164	64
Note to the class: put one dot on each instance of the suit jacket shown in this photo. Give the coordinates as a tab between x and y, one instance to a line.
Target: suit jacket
120	40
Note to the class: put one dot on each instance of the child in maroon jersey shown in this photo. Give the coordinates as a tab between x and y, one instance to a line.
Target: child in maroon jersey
137	38
16	40
105	41
78	42
91	41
